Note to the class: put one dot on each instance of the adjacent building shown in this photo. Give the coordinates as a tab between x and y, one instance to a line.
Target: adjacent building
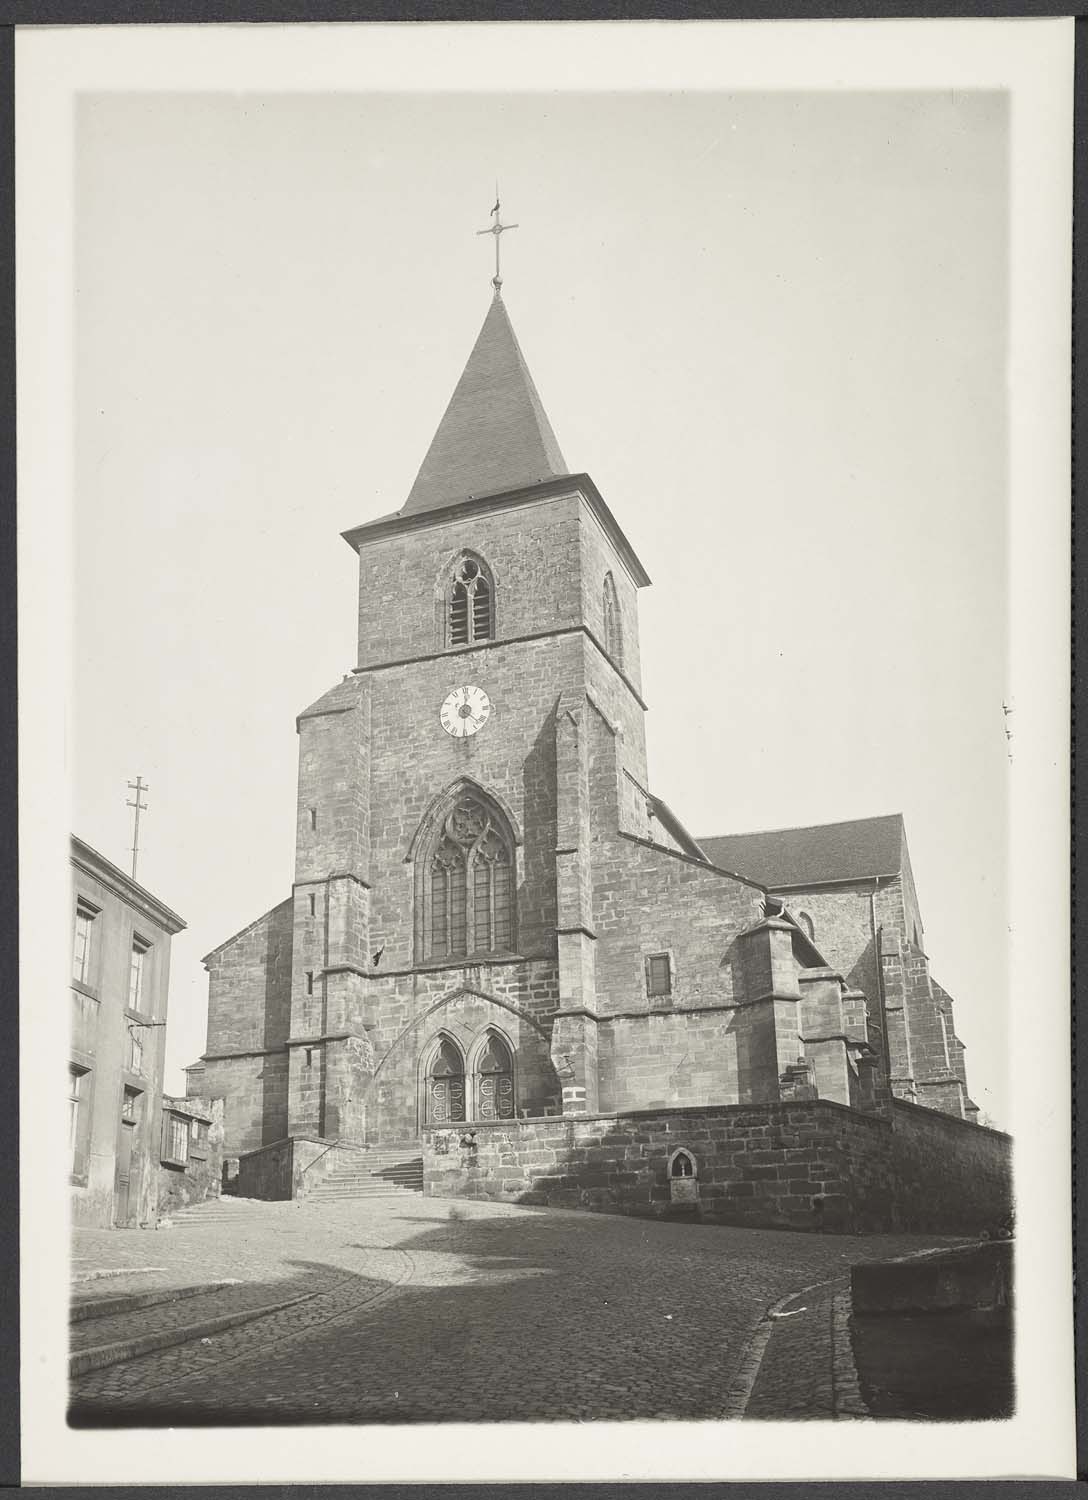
120	978
191	1152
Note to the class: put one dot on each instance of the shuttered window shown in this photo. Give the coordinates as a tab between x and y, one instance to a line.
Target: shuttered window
175	1139
658	974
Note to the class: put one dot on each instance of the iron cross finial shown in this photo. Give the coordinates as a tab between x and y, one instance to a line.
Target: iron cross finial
497	229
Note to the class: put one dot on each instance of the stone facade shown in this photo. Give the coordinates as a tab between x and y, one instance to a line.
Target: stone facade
507	924
119	990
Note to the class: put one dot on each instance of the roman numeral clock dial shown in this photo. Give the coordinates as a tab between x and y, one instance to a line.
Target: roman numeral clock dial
464	711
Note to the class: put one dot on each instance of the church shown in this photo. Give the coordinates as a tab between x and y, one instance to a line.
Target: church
494	920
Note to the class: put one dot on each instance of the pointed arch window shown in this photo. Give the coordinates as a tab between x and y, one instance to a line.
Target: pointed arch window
470	883
613	636
446	1085
495	1081
471	612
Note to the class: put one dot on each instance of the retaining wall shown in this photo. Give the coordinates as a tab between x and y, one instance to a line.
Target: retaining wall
807	1165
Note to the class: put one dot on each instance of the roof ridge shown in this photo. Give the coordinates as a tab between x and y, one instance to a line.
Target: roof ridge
802	827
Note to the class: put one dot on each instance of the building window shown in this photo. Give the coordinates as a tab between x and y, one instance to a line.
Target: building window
613	636
175	1139
81	949
135	1058
471	883
198	1137
495	1081
658	974
136	973
471	604
130	1104
77	1105
446	1085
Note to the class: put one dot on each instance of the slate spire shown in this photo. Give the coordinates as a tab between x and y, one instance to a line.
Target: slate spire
495	434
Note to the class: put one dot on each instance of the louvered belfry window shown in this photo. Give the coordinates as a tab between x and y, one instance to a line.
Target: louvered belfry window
472	614
471	884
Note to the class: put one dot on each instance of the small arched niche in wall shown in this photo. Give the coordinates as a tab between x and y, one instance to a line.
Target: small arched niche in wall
683	1176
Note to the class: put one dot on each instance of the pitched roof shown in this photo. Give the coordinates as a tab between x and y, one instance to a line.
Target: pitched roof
495	434
339	698
857	850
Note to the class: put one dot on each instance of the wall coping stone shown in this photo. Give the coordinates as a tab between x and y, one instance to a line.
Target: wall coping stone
695	1112
951	1121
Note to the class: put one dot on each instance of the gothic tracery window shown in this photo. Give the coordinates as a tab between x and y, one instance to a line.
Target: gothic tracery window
471	604
471	884
495	1081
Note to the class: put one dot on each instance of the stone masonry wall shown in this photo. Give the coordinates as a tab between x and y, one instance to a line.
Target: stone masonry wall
689	1057
598	557
511	758
800	1166
649	900
249	986
532	551
950	1167
253	1088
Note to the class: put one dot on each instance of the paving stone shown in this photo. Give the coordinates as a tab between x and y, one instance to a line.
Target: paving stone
433	1311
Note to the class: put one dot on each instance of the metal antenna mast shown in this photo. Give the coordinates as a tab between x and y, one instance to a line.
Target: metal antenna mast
138	786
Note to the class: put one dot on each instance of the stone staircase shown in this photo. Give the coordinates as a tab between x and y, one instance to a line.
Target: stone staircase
370	1172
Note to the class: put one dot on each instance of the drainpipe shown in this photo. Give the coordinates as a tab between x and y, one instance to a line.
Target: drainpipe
879	958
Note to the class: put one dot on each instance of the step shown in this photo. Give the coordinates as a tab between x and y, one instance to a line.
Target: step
390	1176
366	1182
395	1170
354	1189
345	1195
87	1308
116	1351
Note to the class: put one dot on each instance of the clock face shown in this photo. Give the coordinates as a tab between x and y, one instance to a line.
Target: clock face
465	711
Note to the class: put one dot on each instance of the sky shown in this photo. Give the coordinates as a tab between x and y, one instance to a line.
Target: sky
772	326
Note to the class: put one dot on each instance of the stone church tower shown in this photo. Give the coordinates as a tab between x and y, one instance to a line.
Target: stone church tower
492	917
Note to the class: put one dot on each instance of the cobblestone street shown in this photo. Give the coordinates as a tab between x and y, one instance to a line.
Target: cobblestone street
430	1310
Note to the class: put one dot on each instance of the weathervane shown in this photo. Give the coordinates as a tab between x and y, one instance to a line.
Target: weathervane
498	229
